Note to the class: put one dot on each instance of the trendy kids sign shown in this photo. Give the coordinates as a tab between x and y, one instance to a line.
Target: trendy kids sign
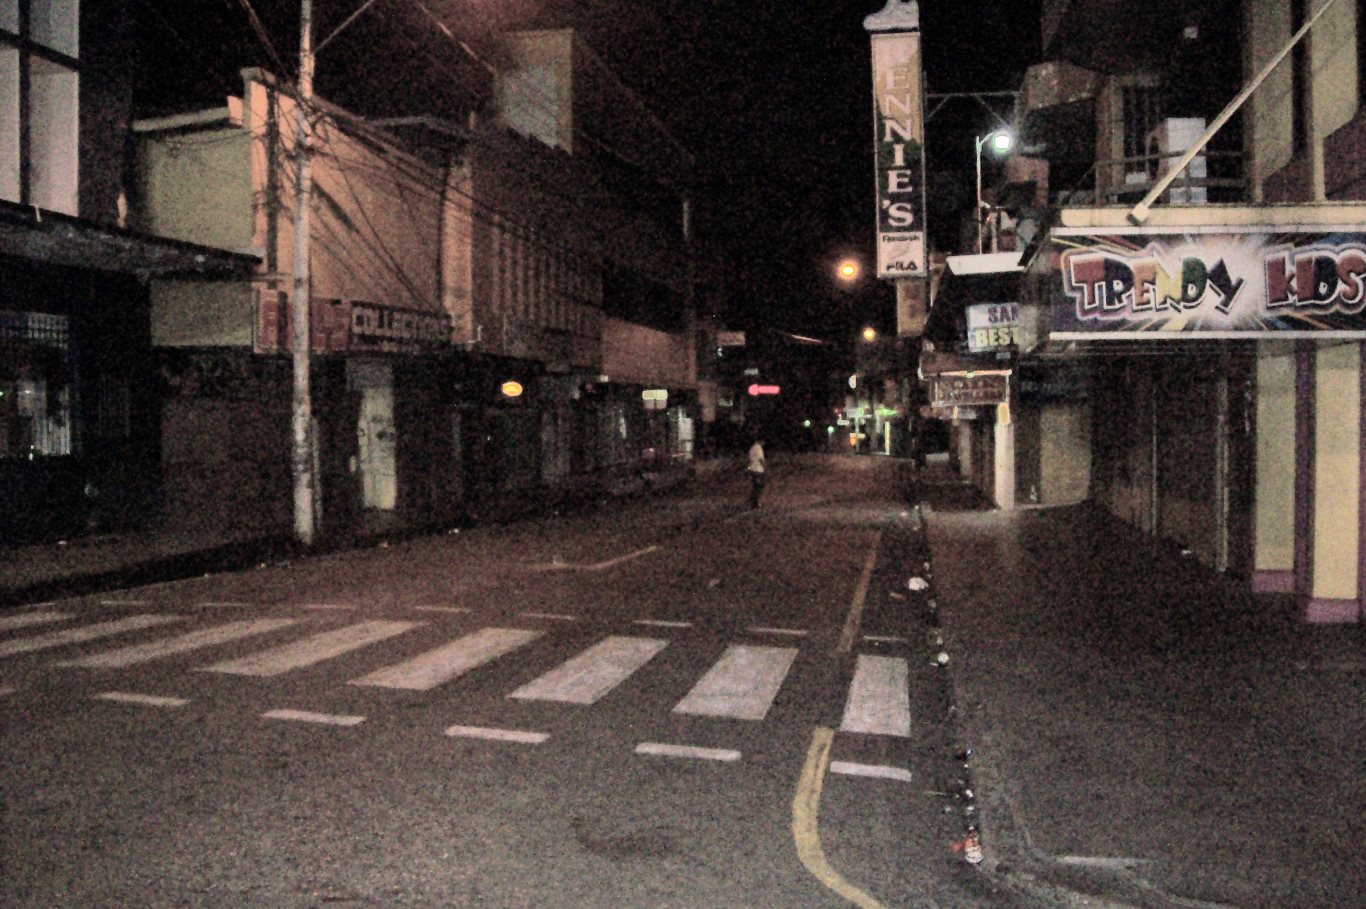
1209	285
898	139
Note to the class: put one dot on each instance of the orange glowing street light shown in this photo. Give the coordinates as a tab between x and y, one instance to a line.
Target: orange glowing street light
848	270
870	333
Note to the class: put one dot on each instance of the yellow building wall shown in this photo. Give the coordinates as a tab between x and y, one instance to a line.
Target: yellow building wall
1065	453
1337	438
1268	112
1274	518
202	314
197	187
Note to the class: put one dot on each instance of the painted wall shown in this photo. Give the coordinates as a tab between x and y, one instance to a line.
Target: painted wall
634	354
1065	453
197	186
376	211
1268	113
1274	510
1337	441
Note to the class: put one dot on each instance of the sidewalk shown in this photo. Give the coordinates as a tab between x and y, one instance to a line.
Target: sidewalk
1144	732
84	565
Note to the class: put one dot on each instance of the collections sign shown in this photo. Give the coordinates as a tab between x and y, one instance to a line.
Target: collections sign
971	390
1208	284
898	140
993	326
342	325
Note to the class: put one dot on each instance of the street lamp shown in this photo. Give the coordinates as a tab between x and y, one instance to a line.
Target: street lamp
1000	141
848	270
870	333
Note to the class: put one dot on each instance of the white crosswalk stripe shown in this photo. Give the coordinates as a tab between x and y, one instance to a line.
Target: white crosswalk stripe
82	635
195	640
879	697
742	684
27	619
436	667
592	674
312	650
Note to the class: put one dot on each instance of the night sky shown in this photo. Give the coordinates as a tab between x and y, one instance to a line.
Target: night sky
773	98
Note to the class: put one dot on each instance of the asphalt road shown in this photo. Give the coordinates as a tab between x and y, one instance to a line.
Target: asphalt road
673	702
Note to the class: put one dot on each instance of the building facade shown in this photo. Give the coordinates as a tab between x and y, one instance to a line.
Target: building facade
80	437
466	359
1194	242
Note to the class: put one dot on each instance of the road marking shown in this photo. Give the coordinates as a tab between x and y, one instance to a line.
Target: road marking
520	736
593	566
552	616
436	667
659	749
806	805
147	700
662	623
225	604
125	602
454	610
308	716
879	697
879	771
851	624
81	635
11	622
593	673
337	607
742	684
195	640
789	632
1110	863
310	650
883	639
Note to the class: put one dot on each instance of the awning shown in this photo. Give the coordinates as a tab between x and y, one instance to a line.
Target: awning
46	236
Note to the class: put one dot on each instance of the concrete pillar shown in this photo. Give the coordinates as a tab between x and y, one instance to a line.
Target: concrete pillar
1005	459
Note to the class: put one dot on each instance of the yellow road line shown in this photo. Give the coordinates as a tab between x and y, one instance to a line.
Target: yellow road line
851	624
805	811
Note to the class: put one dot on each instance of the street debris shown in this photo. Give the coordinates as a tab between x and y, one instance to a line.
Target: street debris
896	596
918	584
941	659
713	583
970	847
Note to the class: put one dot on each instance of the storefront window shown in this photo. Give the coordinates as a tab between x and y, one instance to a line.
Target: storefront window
35	392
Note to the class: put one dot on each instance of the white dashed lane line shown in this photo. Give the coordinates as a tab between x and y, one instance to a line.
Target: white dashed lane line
517	736
308	716
877	771
145	700
660	749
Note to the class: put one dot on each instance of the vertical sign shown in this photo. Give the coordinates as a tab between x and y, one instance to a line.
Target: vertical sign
898	139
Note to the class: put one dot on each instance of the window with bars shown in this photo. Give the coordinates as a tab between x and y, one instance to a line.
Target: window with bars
1143	108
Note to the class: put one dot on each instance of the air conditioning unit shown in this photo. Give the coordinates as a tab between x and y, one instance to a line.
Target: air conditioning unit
1166	145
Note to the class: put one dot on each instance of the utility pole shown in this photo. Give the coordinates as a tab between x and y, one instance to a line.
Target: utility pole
301	460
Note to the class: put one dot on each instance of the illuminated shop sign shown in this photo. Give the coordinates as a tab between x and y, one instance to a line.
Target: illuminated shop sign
898	140
1209	285
993	326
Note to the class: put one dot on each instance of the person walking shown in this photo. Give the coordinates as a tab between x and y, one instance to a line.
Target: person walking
755	469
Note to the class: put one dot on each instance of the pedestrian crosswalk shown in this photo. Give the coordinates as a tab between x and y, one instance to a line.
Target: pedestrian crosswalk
741	683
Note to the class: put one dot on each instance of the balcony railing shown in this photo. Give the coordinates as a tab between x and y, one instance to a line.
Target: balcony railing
1213	177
